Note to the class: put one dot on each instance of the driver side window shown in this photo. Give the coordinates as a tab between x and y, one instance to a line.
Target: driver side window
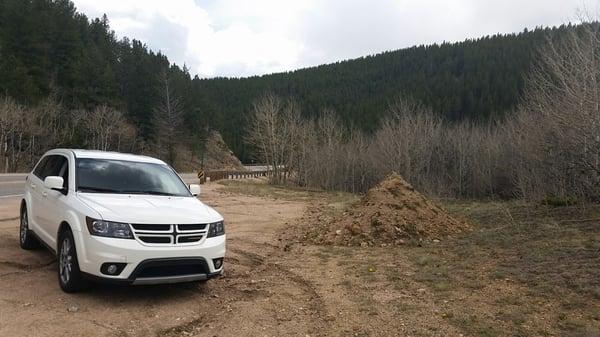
53	165
39	168
64	172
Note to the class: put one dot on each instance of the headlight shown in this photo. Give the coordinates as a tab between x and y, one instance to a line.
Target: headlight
109	229
216	229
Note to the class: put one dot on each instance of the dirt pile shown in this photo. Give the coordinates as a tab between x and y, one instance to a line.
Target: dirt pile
390	213
218	155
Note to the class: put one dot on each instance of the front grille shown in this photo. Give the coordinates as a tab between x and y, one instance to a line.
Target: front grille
164	235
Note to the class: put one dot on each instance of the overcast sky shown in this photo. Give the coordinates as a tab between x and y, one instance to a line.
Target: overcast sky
243	37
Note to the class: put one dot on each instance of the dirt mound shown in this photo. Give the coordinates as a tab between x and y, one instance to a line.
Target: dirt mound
218	155
390	213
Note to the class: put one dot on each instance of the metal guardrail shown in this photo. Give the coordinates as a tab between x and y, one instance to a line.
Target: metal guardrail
227	174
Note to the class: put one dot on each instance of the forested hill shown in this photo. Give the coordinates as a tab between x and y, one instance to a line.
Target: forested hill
47	49
471	79
474	79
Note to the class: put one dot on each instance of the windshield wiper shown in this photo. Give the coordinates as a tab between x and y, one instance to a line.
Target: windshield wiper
149	192
98	189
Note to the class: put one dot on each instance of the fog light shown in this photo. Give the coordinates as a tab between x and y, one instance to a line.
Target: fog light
111	269
218	263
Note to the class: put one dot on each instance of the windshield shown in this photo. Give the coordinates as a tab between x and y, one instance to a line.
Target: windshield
128	177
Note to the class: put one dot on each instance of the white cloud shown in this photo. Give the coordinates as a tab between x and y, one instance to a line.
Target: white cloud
241	38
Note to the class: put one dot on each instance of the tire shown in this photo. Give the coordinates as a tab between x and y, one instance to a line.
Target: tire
70	278
27	240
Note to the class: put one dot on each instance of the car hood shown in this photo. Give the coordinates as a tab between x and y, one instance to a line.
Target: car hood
150	209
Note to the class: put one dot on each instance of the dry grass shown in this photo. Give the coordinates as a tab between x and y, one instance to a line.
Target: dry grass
549	256
549	249
523	270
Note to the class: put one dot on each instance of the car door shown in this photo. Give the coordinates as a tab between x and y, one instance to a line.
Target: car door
35	184
52	201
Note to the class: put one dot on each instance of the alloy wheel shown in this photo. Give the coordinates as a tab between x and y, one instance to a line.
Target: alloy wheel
24	228
65	260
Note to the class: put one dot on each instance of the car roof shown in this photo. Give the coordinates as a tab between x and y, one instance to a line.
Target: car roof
95	154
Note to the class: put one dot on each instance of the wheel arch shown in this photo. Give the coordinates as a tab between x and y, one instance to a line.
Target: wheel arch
73	223
64	226
74	281
25	204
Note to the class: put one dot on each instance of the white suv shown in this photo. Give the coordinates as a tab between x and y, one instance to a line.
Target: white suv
120	218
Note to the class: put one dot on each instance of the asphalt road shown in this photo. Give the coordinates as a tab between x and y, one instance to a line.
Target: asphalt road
12	184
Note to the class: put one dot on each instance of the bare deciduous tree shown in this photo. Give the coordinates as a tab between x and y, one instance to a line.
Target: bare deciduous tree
26	133
557	129
107	129
11	132
273	131
168	119
407	140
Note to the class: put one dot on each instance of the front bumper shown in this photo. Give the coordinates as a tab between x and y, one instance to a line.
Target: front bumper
149	265
163	271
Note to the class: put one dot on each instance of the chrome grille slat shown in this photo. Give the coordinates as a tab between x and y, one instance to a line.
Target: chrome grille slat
151	239
154	232
188	234
152	227
191	227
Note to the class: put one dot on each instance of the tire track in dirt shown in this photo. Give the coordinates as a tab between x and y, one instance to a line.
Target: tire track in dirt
26	267
183	329
318	302
195	325
117	332
252	260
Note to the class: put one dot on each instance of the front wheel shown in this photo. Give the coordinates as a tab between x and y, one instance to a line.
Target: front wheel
26	239
69	275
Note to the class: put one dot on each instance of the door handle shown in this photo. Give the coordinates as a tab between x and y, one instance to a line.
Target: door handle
32	186
44	194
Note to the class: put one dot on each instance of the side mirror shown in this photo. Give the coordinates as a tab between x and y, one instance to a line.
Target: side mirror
54	183
195	189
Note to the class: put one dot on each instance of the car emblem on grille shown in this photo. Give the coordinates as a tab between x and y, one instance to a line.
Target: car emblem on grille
174	233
